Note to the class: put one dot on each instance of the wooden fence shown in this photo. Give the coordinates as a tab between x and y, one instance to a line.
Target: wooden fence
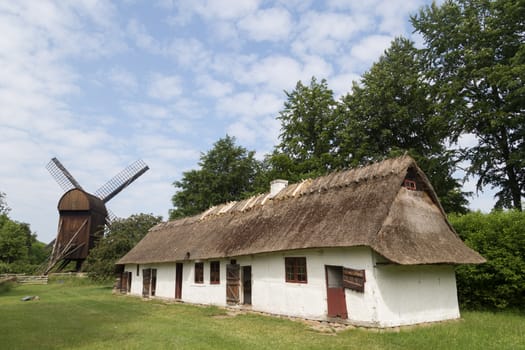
24	279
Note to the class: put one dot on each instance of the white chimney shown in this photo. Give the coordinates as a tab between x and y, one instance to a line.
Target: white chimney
277	186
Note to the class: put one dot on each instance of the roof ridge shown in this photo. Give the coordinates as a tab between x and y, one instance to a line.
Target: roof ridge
336	179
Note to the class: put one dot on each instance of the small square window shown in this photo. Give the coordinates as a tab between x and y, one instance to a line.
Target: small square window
296	270
410	184
199	272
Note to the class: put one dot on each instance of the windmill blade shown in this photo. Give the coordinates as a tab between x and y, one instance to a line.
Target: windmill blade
61	175
110	218
121	180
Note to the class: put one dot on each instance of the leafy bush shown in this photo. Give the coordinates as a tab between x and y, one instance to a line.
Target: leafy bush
123	235
6	286
500	238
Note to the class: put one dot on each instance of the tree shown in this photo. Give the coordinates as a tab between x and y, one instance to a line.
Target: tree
13	240
123	235
227	173
307	132
475	59
20	252
389	114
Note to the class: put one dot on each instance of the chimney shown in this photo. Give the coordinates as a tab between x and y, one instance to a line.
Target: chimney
277	186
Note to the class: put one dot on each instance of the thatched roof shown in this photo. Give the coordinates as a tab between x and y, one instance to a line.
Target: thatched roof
366	206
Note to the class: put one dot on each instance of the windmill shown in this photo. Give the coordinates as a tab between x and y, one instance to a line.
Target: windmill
82	215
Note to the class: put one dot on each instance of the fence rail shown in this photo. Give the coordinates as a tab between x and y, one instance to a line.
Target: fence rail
24	279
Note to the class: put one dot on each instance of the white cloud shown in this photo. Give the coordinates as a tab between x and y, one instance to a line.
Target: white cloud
273	24
137	31
189	52
342	84
249	105
327	33
165	87
275	72
371	47
122	79
209	86
224	9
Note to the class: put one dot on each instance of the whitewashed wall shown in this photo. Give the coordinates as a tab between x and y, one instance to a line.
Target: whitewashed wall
394	295
416	294
270	292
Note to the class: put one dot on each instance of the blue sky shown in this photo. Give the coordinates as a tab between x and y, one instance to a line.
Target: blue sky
99	84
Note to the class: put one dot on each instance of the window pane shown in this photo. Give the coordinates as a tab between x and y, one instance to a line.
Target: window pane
199	272
215	272
295	270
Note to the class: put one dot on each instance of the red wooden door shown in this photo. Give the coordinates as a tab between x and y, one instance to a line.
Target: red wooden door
335	292
178	281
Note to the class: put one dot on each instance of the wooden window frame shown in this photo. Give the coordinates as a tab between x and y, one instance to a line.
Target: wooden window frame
295	270
215	272
199	273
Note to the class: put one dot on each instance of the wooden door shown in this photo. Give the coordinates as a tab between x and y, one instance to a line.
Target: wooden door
146	282
335	292
153	282
125	282
247	285
178	281
128	284
232	283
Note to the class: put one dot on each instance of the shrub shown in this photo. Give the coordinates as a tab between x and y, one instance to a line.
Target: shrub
6	286
500	238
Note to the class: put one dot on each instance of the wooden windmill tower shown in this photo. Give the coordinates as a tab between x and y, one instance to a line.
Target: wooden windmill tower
82	215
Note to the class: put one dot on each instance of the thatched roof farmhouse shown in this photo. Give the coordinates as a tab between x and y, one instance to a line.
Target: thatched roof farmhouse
368	233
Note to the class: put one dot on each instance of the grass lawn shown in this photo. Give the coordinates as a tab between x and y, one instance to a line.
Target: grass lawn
72	315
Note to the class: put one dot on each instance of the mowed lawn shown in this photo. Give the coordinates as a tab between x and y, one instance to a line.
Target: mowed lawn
72	315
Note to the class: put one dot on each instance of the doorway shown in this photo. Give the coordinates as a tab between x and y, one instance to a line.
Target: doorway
232	283
247	285
335	292
149	282
178	281
146	283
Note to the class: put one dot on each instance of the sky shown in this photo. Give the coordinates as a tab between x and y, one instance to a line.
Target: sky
100	84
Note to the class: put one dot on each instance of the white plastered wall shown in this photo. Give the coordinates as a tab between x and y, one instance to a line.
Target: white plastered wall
416	294
394	295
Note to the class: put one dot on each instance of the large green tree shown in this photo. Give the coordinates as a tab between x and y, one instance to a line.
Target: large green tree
389	113
227	172
123	235
307	133
475	59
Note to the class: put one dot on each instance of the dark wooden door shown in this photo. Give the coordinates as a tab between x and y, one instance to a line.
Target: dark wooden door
146	282
128	285
153	282
247	285
178	281
125	282
232	283
335	292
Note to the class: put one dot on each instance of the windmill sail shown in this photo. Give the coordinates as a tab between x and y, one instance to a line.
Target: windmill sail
121	180
62	176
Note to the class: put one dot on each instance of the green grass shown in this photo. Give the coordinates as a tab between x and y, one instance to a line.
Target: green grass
79	315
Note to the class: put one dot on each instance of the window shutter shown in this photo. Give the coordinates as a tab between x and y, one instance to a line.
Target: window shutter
354	279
